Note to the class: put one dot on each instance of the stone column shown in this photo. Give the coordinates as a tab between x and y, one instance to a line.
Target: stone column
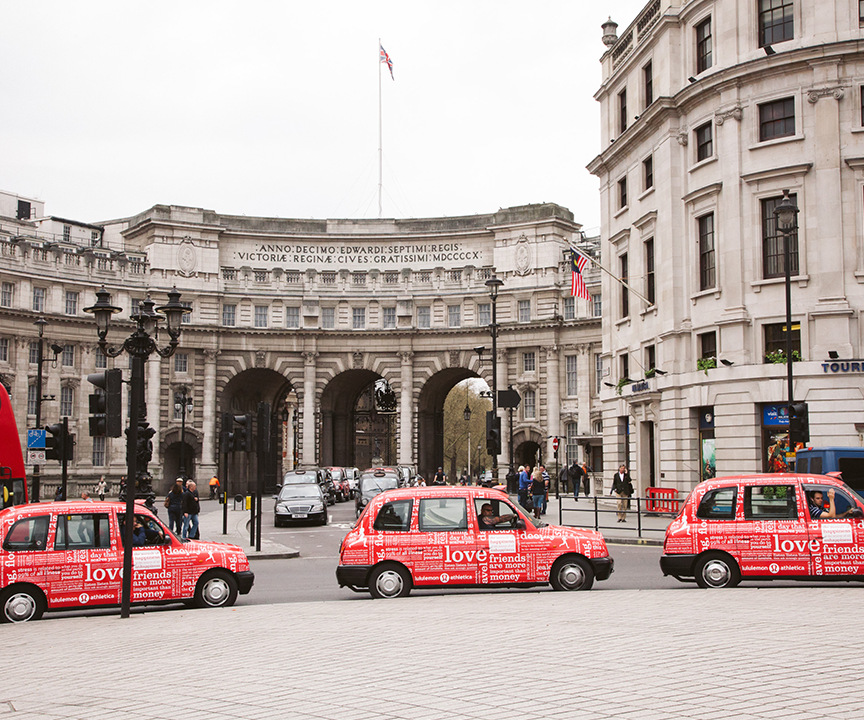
209	461
406	409
585	359
551	362
307	444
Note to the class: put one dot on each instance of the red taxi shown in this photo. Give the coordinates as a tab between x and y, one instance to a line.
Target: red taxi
462	537
766	527
65	555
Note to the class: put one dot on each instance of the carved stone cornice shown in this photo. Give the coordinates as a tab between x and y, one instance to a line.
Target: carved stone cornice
721	116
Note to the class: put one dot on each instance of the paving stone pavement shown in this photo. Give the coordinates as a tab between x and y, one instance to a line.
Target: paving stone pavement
770	652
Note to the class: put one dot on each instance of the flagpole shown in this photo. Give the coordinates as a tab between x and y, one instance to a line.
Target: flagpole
380	135
610	274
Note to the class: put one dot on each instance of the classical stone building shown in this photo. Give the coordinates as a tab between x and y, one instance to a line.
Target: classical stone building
308	316
710	110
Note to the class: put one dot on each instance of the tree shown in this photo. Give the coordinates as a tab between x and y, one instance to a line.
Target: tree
456	429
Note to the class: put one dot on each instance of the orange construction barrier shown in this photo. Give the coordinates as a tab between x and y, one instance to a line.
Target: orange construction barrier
662	500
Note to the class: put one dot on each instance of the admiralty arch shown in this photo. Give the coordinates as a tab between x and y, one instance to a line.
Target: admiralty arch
309	316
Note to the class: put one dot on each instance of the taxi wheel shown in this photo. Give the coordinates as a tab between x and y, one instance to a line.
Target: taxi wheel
389	581
716	570
21	604
572	573
217	588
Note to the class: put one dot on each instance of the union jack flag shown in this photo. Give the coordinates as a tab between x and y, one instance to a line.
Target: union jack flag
385	58
577	286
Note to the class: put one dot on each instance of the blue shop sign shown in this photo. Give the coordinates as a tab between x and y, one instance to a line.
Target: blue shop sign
775	415
846	366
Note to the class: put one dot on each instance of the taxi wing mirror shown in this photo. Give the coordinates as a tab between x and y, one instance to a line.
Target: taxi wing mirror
856	513
520	524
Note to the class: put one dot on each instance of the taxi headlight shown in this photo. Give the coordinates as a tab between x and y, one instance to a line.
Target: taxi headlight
317	507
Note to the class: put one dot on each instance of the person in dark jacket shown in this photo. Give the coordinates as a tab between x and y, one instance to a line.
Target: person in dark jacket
174	503
622	486
576	474
191	508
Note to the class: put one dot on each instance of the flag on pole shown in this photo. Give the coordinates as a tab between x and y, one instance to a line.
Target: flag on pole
385	58
577	287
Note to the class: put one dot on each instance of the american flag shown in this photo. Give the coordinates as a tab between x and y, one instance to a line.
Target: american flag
577	265
385	58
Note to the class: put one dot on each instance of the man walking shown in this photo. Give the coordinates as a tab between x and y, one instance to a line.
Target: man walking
191	508
576	473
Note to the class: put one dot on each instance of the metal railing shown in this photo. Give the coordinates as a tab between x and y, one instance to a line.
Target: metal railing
651	514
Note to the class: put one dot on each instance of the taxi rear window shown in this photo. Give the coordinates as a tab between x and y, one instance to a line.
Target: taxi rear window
394	516
27	534
718	504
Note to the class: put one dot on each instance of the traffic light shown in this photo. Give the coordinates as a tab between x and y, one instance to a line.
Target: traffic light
106	415
493	434
799	423
227	436
243	433
58	444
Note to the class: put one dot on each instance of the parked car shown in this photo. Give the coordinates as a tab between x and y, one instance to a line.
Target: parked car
321	476
353	479
300	502
766	527
463	537
371	484
64	555
340	482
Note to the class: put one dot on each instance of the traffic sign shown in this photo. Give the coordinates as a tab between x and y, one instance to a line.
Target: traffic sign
36	438
35	457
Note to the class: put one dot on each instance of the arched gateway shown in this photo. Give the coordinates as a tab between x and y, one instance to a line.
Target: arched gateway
322	319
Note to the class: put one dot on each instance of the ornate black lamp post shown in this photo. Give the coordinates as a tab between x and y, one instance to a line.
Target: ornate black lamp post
466	413
494	285
787	223
139	346
183	404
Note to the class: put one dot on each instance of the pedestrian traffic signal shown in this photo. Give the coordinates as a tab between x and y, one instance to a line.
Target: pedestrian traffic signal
106	415
58	444
799	424
493	434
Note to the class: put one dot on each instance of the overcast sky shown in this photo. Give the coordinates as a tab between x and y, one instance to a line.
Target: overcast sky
271	108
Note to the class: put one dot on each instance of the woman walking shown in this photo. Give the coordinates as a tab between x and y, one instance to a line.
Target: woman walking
538	491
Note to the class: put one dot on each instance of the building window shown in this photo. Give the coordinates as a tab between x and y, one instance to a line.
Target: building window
391	277
625	366
134	307
529	362
328	318
68	356
648	172
704	142
622	111
484	314
529	404
39	299
622	193
229	315
71	303
598	372
704	46
570	376
650	357
389	318
776	23
860	12
101	360
860	98
66	398
648	83
773	260
569	308
424	317
328	277
358	278
625	278
23	210
649	270
6	294
186	317
31	399
358	318
524	311
33	353
708	345
261	312
4	349
260	276
181	363
597	305
707	261
775	339
777	119
99	451
292	317
67	233
454	316
572	447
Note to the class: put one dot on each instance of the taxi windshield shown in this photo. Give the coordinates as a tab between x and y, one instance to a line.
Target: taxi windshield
372	484
307	490
300	476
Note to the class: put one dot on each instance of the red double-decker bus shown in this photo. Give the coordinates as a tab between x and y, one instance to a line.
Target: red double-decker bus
13	481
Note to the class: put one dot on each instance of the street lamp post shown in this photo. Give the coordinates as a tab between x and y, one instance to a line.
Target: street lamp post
466	413
139	345
494	284
787	223
183	403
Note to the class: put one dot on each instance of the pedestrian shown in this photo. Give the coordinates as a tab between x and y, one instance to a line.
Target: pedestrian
421	481
58	493
563	479
538	491
463	478
100	488
586	478
214	487
576	472
174	503
622	486
86	496
191	508
546	481
440	477
524	484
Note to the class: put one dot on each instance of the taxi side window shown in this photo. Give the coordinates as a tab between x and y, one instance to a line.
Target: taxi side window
770	502
82	532
842	501
441	514
718	504
394	516
28	534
